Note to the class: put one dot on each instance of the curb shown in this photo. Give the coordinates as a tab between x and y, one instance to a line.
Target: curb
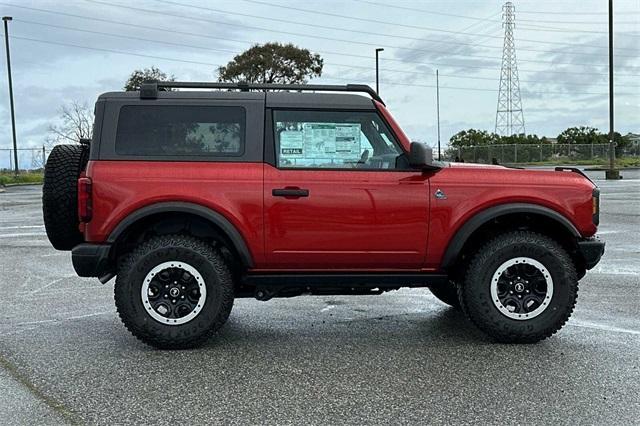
23	184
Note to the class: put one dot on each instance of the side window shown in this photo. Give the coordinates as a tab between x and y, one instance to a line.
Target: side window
174	130
333	139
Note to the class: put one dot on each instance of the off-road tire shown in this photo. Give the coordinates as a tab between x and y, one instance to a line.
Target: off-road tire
60	195
134	266
447	293
475	296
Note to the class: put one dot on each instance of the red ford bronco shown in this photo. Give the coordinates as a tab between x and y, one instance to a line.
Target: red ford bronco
194	198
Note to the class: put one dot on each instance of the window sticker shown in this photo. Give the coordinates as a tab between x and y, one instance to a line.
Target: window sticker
348	140
331	140
291	144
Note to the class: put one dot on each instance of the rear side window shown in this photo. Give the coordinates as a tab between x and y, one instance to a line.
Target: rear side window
174	130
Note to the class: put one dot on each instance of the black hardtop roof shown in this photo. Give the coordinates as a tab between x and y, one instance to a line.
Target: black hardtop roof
272	99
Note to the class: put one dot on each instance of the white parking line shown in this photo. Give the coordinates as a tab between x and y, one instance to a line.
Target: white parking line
88	315
22	227
49	321
26	234
596	326
57	280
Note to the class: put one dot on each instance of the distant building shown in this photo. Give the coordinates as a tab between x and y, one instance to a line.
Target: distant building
632	137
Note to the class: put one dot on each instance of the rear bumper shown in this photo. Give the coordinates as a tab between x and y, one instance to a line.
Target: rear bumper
591	250
92	260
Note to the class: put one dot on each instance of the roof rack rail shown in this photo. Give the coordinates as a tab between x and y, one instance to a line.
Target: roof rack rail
150	90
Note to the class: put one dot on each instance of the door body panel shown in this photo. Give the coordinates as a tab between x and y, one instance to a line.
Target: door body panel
349	219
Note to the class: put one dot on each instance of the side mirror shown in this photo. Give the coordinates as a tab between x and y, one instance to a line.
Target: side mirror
420	156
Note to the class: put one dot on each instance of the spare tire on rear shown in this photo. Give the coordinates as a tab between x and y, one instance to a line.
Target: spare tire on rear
60	195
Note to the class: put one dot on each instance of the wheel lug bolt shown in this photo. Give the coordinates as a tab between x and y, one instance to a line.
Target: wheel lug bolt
166	286
182	297
175	282
174	300
519	297
527	291
183	287
511	291
166	296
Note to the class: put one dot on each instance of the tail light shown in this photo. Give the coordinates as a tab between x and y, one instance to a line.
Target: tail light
85	202
595	201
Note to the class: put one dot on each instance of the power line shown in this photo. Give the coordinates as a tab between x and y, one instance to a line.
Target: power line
430	12
374	21
128	37
121	52
577	22
286	21
309	11
234	52
154	28
474	89
249	42
561	30
468	27
315	36
259	28
537	12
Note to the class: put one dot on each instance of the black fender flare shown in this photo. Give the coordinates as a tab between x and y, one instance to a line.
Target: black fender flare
184	207
462	235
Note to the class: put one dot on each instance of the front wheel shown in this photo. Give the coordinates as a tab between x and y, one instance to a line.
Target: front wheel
173	291
521	287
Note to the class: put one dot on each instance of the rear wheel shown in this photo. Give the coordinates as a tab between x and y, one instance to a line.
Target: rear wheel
521	287
173	292
60	195
447	293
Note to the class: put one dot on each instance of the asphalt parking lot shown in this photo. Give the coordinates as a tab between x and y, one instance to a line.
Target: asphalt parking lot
398	358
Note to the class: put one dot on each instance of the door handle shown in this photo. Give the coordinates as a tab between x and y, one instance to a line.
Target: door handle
290	192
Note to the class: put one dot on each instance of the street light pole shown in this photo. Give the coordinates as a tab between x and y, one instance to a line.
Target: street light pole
612	173
6	20
438	111
378	50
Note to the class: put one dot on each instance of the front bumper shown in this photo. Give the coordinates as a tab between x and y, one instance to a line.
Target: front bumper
93	260
591	250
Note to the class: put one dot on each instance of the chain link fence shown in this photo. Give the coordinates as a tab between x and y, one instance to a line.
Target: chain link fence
28	158
35	158
532	153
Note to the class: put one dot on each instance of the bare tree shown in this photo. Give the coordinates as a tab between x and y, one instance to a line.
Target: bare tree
76	122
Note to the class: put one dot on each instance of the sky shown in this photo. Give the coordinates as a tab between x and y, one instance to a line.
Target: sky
64	51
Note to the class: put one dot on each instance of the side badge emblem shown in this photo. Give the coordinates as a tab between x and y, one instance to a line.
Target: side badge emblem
440	195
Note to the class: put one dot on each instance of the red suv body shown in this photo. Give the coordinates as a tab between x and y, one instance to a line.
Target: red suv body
322	194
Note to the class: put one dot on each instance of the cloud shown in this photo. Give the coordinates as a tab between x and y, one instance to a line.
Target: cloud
586	72
447	54
158	27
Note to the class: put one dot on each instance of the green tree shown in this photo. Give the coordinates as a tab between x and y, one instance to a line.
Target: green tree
473	137
581	135
272	63
146	75
522	139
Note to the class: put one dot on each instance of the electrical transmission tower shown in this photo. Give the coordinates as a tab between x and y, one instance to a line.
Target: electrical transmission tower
509	116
